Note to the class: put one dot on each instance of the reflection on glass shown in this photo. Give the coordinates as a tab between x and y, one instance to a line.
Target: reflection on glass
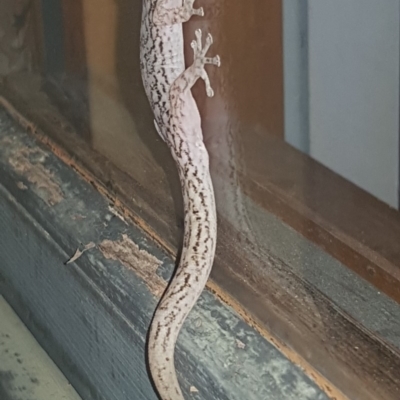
303	128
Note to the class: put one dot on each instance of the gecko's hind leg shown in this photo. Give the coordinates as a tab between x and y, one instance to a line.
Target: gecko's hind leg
188	10
169	16
200	59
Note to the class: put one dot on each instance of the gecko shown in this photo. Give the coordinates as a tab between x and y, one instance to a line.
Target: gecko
177	120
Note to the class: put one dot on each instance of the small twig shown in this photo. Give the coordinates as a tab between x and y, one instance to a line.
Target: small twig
79	252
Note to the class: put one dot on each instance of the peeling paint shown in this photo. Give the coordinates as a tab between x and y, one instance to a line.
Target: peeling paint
130	255
115	212
320	380
29	163
21	185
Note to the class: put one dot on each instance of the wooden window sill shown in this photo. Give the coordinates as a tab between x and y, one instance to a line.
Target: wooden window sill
326	319
92	315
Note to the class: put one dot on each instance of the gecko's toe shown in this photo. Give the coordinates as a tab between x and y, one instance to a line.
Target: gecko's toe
213	60
197	11
198	34
188	5
200	12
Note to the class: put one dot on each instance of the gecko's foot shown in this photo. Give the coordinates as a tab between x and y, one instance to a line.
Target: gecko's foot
188	10
200	59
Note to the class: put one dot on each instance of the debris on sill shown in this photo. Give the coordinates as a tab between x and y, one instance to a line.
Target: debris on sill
29	163
79	252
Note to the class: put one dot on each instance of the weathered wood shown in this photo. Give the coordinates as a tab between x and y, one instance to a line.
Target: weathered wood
92	315
278	295
347	222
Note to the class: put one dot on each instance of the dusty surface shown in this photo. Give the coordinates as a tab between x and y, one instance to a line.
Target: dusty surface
30	164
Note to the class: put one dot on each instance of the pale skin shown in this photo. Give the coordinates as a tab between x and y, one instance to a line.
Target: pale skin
177	120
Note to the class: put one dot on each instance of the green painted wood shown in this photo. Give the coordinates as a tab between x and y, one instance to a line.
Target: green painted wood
92	316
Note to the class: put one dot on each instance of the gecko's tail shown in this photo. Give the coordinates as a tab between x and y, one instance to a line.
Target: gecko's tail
161	351
188	282
200	230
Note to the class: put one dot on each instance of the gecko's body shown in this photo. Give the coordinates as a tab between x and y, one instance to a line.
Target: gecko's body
177	119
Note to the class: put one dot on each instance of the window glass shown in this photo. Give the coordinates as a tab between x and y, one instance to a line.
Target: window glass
303	127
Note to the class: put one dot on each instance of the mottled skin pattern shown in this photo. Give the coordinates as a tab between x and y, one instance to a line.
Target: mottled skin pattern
177	119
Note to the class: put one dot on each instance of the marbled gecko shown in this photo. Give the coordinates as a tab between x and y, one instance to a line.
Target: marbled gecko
177	120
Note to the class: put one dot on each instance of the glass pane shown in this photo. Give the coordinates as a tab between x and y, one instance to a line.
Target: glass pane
303	85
